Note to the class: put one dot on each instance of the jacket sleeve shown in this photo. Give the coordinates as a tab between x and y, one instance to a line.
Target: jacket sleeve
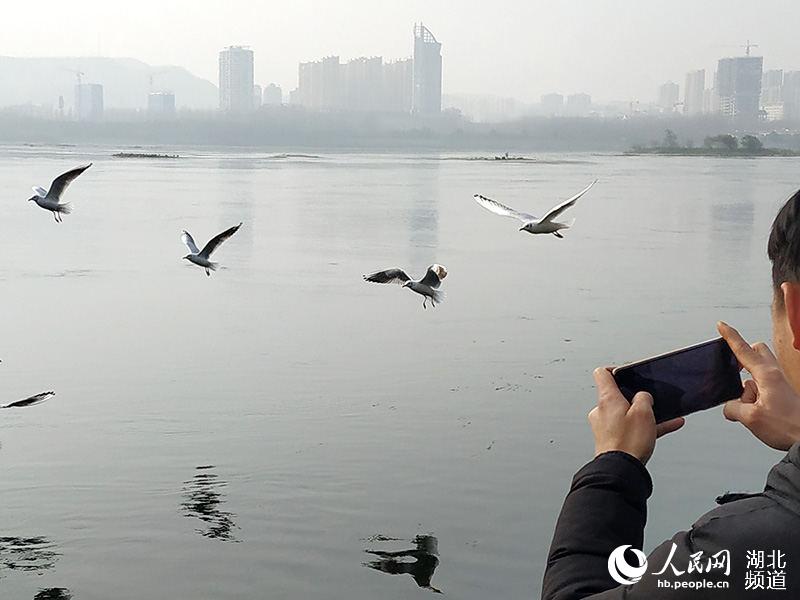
606	507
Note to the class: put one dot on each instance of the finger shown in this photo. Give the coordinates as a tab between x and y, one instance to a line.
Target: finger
764	352
643	403
669	426
608	394
750	393
736	410
747	357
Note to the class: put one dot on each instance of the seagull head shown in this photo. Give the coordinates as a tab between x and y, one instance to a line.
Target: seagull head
32	198
407	284
186	257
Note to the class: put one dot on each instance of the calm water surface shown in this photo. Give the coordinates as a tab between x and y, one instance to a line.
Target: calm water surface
280	429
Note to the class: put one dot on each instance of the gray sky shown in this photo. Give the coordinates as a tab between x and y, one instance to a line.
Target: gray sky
613	49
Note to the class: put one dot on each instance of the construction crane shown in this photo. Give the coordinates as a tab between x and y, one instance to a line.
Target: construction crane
747	47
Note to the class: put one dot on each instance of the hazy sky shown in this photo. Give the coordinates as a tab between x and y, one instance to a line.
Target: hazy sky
612	49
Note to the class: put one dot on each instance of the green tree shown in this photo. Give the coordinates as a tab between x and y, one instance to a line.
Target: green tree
752	144
670	139
726	141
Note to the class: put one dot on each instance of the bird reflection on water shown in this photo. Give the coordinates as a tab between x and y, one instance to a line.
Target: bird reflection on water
53	594
203	499
421	569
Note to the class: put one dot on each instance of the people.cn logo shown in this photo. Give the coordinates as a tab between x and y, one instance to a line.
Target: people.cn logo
621	571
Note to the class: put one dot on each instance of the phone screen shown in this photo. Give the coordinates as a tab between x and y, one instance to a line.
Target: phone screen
684	381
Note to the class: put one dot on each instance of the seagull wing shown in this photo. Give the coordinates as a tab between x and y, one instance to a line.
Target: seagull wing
397	276
40	191
33	400
433	278
187	239
502	209
554	212
212	244
62	182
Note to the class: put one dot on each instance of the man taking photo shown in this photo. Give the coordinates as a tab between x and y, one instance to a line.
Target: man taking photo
747	547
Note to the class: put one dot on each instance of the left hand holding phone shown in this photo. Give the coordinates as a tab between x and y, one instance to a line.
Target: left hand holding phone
624	426
769	407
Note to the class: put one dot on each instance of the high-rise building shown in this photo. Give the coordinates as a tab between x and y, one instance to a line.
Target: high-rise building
257	91
362	84
772	104
236	79
161	105
791	95
772	87
89	101
668	94
398	77
427	80
578	105
552	104
738	86
320	84
709	102
694	93
272	95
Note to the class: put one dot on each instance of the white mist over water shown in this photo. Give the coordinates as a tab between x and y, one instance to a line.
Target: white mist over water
330	411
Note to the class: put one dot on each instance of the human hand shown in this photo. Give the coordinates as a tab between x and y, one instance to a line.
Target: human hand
769	407
625	426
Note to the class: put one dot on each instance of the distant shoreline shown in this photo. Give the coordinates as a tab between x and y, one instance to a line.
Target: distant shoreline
712	152
143	155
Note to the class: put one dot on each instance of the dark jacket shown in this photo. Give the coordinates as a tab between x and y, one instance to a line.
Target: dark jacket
607	508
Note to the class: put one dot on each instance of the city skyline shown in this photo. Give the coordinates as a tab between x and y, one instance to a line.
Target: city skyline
613	50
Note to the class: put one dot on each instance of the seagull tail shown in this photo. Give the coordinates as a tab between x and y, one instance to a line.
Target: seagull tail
65	208
213	266
569	223
438	296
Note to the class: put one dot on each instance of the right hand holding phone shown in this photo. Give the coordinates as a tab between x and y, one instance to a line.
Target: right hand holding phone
769	407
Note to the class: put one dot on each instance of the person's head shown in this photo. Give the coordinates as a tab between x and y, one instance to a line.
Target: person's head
783	249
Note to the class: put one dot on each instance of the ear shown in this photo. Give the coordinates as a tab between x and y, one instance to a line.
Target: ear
791	305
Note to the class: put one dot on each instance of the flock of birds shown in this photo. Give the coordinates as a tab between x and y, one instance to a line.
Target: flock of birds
427	286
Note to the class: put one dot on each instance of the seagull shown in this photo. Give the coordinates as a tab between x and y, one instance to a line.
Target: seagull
428	286
202	258
32	401
530	223
51	199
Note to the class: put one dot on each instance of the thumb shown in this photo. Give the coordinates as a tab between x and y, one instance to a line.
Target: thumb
736	410
750	392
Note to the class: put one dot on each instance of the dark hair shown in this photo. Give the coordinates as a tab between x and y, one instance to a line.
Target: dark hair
783	247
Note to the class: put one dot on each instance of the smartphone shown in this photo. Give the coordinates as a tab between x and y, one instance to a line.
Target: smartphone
684	381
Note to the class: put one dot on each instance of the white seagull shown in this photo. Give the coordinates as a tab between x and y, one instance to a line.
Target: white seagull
530	223
202	258
51	199
32	401
428	286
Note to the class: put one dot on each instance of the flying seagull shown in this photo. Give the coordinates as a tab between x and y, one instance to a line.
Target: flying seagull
530	223
51	199
202	258
428	286
32	401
